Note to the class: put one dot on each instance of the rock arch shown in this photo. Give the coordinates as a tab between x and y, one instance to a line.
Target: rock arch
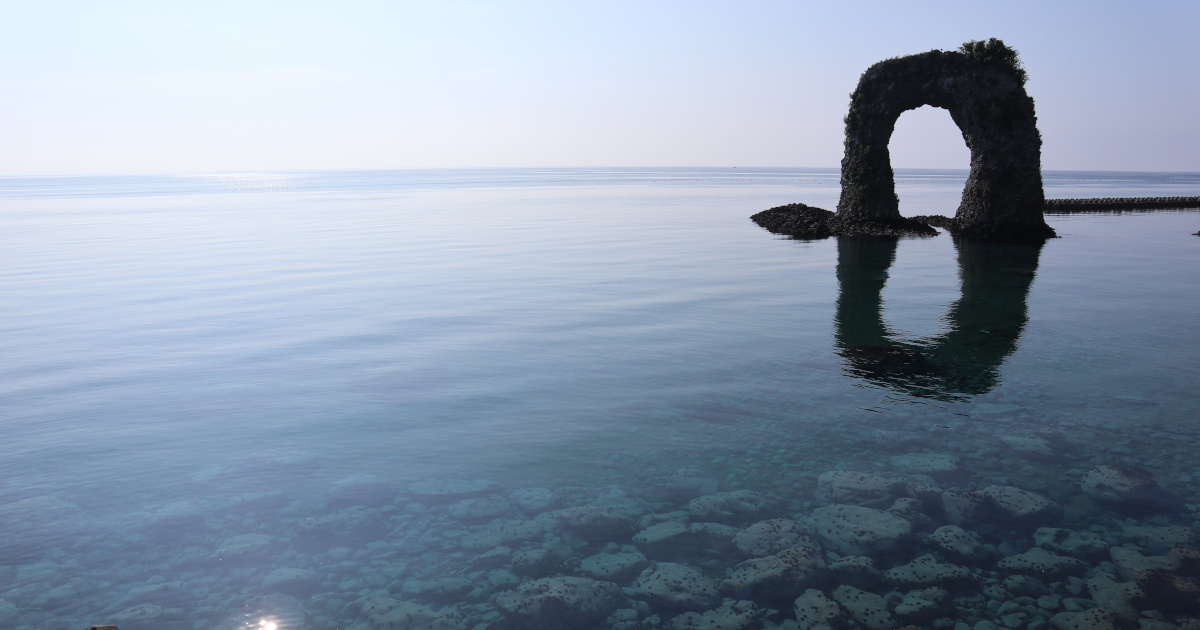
983	87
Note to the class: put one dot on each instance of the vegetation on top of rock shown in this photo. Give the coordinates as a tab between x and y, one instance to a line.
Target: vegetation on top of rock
994	51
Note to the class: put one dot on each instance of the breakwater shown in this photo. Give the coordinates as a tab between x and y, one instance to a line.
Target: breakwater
1120	203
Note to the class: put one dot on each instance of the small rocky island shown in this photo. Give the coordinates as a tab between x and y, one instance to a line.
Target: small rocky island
983	86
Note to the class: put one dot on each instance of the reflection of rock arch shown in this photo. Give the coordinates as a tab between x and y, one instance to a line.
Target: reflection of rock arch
983	88
985	323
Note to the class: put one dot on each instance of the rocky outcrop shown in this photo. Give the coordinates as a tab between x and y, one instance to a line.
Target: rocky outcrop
983	87
809	223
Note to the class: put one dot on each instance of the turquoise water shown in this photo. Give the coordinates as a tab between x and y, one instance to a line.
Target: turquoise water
188	361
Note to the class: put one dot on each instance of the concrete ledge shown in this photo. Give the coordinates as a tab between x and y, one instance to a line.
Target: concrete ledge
1097	204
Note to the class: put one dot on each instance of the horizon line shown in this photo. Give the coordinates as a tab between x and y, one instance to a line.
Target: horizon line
221	173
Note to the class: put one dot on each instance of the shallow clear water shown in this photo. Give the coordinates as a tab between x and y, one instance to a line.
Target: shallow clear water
187	360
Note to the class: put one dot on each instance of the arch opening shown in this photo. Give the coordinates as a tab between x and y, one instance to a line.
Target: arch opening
930	160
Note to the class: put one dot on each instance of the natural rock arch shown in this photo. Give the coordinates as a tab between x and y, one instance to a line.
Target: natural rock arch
983	87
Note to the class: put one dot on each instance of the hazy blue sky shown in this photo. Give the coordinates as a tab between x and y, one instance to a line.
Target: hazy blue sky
154	87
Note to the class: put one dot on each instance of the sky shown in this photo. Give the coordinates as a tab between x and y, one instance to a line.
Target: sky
173	87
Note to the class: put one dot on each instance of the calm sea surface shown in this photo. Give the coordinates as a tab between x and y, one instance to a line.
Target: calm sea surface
209	381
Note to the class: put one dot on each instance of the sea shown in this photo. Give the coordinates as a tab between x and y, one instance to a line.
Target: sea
589	398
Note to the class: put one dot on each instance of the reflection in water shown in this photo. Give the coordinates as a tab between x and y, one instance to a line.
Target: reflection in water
985	323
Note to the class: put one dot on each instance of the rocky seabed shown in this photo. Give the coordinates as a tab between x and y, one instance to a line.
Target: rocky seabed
876	541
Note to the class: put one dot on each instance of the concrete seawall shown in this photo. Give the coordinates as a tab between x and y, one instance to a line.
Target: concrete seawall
1119	203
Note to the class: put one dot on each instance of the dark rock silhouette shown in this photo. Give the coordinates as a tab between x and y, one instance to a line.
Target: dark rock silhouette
985	323
983	87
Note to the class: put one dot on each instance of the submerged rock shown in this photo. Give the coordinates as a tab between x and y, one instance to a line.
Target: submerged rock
349	525
245	548
1022	505
614	567
248	502
868	609
1118	597
962	507
675	587
731	615
815	611
1166	592
534	500
443	490
276	467
857	488
926	463
481	509
1039	562
1029	446
922	605
536	562
1024	586
8	611
500	532
558	602
1000	502
674	539
926	571
1160	540
1070	542
142	617
32	526
956	542
857	530
595	522
911	510
688	484
388	613
1127	486
1094	619
769	537
175	516
439	590
855	571
368	490
295	582
1130	561
776	578
736	507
